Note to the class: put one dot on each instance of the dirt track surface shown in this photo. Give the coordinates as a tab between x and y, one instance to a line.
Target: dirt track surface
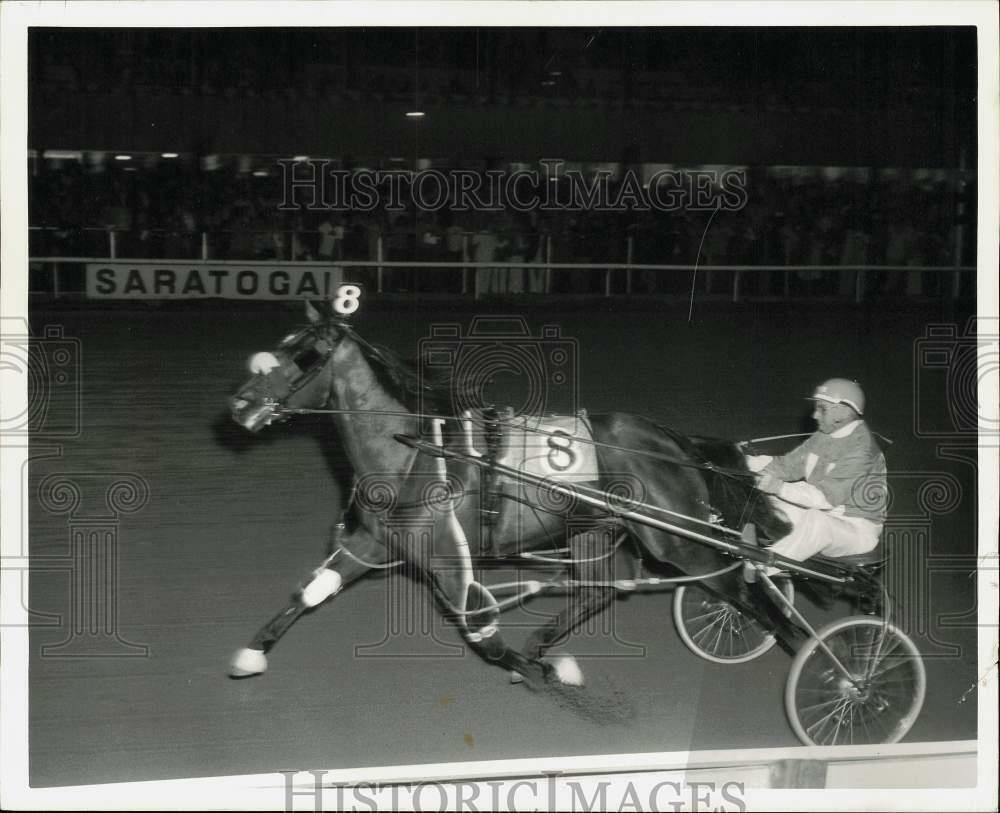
233	522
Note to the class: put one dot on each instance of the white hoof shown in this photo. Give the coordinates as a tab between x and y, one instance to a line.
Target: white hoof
516	677
568	671
247	662
325	584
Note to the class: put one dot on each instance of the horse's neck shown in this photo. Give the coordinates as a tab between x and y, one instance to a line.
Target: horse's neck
366	430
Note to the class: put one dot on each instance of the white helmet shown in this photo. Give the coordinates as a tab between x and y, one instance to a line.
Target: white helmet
841	391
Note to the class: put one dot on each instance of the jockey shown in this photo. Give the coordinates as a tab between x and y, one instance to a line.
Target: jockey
832	488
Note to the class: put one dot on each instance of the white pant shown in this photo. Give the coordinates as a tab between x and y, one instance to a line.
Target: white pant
827	532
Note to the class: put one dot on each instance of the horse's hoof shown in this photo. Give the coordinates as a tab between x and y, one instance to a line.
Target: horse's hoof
516	677
247	663
568	671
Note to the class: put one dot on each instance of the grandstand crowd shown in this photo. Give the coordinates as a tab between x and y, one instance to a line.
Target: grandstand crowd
219	209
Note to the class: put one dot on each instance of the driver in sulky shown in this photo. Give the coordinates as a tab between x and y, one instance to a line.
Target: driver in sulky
832	487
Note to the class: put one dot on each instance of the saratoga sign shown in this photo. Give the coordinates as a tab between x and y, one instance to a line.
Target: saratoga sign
157	280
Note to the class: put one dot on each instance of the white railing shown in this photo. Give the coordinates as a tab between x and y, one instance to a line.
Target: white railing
478	279
944	772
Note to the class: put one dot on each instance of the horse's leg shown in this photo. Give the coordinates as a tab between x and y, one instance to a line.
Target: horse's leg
326	581
481	630
585	601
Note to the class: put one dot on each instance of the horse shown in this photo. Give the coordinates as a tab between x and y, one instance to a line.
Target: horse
401	498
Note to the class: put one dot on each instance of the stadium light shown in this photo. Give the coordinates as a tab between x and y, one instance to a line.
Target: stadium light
415	114
168	155
123	157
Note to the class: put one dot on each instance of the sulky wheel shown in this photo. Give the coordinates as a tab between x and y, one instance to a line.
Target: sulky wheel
715	630
875	698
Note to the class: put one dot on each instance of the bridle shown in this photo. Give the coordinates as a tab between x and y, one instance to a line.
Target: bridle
302	367
296	363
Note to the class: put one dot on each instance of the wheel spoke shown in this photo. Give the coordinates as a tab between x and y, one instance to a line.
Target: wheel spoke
887	733
709	627
862	715
874	659
825	720
713	614
891	673
718	633
888	666
866	687
718	630
815	706
731	632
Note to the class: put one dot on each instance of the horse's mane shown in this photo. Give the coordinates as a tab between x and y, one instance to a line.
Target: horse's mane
417	386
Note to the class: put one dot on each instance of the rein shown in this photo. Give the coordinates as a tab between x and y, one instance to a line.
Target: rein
744	443
324	332
733	473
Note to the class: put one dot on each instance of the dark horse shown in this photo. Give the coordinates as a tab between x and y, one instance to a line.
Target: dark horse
401	498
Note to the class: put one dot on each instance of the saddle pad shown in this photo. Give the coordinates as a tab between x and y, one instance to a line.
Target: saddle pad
550	447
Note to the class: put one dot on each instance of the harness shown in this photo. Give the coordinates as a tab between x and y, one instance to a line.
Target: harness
302	356
489	493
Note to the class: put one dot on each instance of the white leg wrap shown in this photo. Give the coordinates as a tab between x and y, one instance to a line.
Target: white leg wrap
481	634
248	662
568	670
326	583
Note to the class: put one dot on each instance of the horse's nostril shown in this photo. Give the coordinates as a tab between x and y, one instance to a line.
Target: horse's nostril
240	403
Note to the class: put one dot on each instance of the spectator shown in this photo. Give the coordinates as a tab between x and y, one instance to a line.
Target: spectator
327	240
488	279
854	251
518	249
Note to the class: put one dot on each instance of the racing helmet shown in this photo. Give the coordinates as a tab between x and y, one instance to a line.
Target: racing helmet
841	391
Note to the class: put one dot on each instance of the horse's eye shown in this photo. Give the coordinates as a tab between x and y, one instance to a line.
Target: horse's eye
307	358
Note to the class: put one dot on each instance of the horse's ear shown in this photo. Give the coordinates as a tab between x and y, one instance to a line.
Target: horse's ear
313	313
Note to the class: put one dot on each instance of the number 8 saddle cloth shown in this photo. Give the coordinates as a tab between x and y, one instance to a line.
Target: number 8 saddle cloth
558	448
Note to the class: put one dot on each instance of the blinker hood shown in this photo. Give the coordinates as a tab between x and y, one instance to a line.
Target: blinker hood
259	401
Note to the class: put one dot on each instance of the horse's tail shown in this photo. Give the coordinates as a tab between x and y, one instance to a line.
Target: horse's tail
731	485
739	502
